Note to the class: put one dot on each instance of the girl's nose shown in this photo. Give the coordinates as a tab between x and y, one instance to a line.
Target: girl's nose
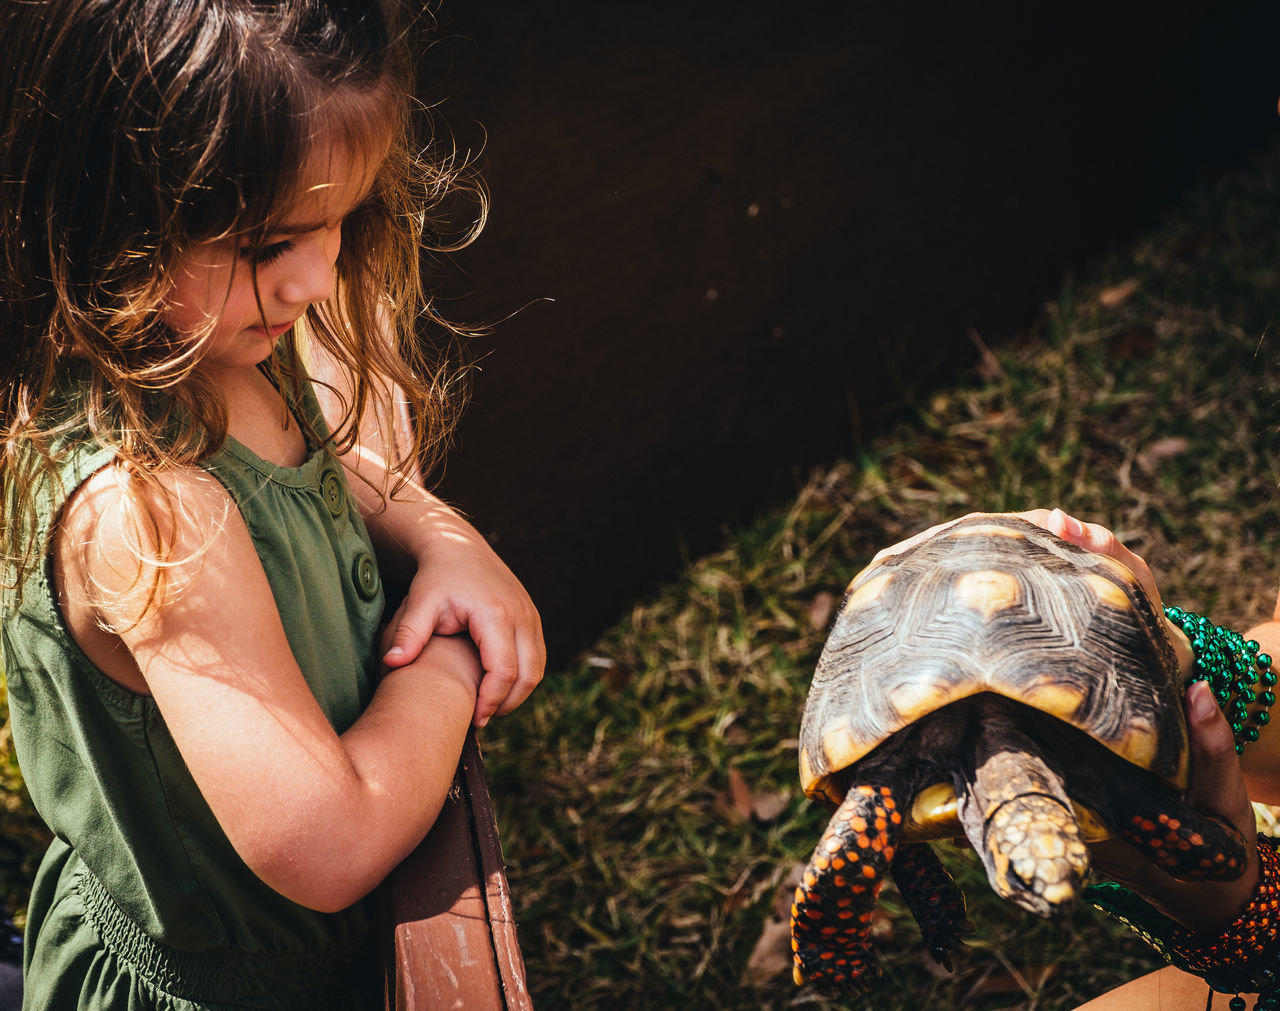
310	276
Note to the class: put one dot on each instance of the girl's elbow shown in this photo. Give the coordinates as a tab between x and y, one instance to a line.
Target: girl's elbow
326	890
330	872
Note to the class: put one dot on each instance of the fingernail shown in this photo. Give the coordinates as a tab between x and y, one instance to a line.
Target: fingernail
483	720
1202	702
395	651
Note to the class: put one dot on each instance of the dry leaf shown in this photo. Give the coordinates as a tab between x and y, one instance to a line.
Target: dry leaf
1113	296
820	608
771	957
1135	342
1161	449
769	805
739	794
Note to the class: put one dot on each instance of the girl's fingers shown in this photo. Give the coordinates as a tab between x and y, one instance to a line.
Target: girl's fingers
494	636
533	662
1100	540
519	660
512	652
494	690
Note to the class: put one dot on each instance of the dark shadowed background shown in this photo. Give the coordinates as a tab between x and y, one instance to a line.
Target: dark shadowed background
758	229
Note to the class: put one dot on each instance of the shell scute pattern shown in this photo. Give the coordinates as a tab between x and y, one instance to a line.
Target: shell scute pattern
915	633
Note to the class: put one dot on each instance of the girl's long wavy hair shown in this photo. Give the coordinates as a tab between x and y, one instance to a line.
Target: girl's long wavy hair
131	130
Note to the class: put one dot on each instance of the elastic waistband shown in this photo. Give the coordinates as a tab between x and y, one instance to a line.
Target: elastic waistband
276	981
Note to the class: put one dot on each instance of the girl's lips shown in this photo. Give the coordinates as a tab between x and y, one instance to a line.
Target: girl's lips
273	331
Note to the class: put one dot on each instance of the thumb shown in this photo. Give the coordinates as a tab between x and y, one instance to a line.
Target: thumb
405	644
1216	784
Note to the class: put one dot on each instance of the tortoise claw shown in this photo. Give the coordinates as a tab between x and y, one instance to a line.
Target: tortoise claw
935	901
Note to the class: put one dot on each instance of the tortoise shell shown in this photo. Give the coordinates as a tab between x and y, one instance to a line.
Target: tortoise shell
994	604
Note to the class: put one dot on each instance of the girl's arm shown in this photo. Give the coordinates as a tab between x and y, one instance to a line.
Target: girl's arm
456	583
1260	762
319	817
453	580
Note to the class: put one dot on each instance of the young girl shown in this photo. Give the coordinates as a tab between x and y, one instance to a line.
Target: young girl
204	205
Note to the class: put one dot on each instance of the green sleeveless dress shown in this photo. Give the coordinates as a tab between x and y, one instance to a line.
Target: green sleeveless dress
141	902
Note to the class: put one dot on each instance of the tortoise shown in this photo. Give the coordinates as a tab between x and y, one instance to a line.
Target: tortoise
998	682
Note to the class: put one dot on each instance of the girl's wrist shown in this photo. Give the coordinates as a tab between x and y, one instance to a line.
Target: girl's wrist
1242	956
446	660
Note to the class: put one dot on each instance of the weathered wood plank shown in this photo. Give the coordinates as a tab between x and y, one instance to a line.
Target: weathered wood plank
454	931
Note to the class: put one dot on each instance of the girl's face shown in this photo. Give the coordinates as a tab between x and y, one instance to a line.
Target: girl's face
214	298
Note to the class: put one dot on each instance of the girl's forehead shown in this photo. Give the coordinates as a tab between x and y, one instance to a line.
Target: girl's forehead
335	179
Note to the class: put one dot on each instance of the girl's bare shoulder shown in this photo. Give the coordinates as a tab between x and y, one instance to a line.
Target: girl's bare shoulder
127	540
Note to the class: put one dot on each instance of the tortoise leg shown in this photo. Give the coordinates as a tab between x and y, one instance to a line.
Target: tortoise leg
1019	819
831	916
935	901
1187	843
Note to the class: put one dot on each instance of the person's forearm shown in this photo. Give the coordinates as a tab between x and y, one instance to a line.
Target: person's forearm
402	754
1260	761
402	525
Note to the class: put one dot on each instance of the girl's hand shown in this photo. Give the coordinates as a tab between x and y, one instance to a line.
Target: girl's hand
458	584
1216	786
463	586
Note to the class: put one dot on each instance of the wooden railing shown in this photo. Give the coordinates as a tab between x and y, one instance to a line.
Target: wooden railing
454	934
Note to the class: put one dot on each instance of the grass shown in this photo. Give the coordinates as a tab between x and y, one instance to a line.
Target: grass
648	796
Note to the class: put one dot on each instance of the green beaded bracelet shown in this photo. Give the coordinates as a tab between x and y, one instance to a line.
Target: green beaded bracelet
1232	666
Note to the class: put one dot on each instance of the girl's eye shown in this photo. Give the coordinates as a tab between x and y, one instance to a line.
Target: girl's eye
263	256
